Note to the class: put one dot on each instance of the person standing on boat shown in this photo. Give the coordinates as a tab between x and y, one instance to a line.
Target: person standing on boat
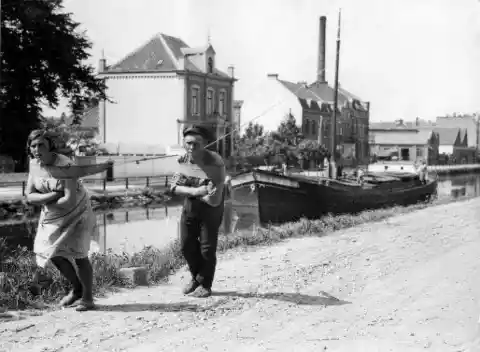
202	212
422	172
360	175
66	221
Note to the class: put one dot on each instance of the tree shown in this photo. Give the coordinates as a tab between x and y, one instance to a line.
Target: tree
42	59
254	131
252	140
288	132
294	147
69	138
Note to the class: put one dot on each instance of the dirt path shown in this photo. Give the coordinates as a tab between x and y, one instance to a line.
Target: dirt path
410	283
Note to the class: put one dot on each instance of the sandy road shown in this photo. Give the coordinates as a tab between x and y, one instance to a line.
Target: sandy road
410	283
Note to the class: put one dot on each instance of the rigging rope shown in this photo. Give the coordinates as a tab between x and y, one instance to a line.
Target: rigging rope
74	171
224	135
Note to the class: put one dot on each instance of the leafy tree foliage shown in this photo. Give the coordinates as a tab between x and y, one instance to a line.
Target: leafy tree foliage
252	141
285	145
70	138
42	59
288	132
254	131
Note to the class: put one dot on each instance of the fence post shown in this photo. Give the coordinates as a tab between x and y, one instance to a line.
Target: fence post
148	181
126	182
104	184
23	188
166	181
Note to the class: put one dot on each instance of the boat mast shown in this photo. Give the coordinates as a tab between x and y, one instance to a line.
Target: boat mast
333	147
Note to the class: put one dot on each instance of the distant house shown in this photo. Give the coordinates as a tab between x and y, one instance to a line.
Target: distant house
468	122
454	144
402	124
157	90
312	106
404	143
451	139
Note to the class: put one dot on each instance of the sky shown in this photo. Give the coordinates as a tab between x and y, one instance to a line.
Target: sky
408	58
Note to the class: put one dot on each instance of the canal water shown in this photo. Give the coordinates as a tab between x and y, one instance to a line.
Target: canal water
128	231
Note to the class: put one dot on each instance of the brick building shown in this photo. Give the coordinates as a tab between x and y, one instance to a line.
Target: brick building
312	106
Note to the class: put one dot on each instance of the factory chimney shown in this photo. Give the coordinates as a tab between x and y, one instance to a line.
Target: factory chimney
321	50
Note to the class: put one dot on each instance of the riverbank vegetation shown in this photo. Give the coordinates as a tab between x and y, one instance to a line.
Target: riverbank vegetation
23	285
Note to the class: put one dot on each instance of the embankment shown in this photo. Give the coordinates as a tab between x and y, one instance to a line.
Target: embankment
454	169
407	283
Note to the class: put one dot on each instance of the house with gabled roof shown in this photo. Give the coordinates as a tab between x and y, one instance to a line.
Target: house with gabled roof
405	143
454	143
312	106
450	139
469	122
158	89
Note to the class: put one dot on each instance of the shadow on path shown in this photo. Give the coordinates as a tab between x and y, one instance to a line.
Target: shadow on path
160	307
324	300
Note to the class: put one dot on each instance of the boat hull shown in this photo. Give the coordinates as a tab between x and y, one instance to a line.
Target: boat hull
263	197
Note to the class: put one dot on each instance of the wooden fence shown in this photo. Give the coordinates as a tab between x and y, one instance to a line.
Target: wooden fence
102	184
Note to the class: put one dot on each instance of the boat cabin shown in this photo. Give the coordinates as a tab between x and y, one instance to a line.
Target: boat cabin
392	167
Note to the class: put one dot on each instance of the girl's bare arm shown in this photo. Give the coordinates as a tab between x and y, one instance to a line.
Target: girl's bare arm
36	198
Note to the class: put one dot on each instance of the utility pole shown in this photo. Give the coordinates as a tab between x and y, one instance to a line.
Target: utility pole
1	56
477	156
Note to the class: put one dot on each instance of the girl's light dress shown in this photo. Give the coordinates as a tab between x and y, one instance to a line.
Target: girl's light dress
61	232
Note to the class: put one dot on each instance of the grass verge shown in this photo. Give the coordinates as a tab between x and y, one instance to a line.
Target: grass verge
17	267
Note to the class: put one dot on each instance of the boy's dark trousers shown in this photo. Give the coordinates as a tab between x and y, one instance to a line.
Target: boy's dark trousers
199	226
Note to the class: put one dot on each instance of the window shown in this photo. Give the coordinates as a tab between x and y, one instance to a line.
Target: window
221	103
210	100
419	152
195	100
314	127
210	65
307	127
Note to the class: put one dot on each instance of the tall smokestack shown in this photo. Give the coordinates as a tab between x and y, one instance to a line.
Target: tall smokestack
321	50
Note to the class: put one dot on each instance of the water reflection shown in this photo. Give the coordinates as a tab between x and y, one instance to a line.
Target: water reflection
457	186
132	230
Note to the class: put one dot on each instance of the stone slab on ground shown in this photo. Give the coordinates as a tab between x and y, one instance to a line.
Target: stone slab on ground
136	276
409	283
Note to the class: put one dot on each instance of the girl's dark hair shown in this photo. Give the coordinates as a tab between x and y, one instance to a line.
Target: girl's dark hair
35	134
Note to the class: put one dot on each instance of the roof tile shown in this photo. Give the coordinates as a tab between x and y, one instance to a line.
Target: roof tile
152	56
448	136
156	56
399	137
319	92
